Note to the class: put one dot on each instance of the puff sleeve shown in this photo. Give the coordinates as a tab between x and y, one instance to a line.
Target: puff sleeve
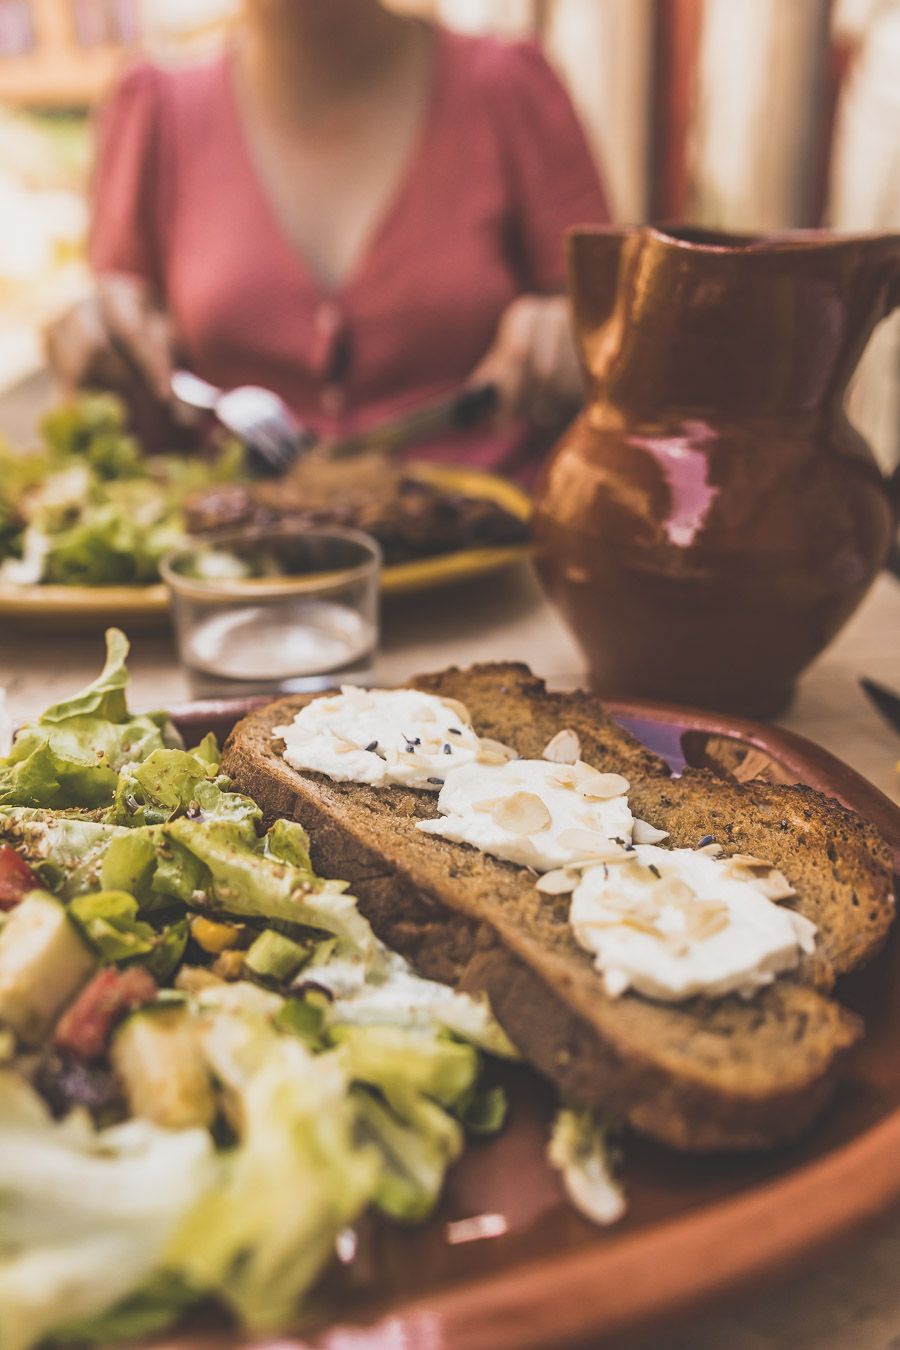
128	185
554	181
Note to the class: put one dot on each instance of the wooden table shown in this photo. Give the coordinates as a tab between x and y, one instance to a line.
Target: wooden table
853	1300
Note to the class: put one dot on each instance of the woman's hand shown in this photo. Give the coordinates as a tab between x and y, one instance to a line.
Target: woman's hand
534	363
118	337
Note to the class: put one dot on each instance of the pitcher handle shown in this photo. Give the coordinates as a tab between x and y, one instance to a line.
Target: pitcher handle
891	303
893	486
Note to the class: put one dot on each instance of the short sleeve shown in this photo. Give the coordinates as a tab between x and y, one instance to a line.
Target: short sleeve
126	206
554	179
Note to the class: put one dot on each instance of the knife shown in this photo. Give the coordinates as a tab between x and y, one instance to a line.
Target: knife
887	703
466	408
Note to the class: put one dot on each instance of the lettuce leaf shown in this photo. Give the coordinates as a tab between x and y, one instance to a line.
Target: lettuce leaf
414	1155
117	541
297	1177
109	919
388	992
396	1061
287	841
208	750
580	1150
416	1075
85	1214
72	755
70	854
104	697
245	883
128	508
90	426
483	1113
155	1307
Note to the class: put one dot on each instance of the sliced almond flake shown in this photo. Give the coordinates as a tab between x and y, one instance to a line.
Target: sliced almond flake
615	982
613	916
487	745
592	844
638	924
705	920
522	813
639	871
747	860
712	850
604	922
487	804
805	932
645	833
489	757
564	748
676	945
671	891
601	786
558	882
774	886
460	709
564	779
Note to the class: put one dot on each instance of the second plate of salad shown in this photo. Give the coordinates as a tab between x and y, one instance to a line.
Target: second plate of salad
85	519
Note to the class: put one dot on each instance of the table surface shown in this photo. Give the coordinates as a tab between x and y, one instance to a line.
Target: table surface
853	1299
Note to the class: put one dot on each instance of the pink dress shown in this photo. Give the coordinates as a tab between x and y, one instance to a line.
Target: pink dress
501	169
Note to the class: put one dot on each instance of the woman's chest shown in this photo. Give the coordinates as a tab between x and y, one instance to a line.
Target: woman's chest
330	195
431	275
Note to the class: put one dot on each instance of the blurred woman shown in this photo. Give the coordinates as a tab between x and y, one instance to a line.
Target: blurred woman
352	207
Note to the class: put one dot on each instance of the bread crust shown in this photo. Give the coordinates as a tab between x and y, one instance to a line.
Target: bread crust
700	1075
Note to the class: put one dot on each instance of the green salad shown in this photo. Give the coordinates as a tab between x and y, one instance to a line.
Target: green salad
210	1067
88	507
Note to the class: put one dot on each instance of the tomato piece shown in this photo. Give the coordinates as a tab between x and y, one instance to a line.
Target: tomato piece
16	878
86	1026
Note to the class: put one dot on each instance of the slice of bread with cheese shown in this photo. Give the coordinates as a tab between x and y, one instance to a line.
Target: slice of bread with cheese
706	1073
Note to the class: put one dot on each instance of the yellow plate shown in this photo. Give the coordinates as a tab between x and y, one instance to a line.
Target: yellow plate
141	607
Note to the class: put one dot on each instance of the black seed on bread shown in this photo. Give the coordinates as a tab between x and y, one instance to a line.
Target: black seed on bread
703	1074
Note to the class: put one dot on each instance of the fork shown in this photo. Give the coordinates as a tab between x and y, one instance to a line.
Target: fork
275	439
258	417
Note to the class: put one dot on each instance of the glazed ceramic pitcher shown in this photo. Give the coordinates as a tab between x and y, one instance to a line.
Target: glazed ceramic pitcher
712	518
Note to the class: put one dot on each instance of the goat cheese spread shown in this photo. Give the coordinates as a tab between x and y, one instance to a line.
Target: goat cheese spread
672	923
668	923
383	737
535	813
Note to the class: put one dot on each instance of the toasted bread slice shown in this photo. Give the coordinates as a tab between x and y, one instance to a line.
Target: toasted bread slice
700	1075
839	865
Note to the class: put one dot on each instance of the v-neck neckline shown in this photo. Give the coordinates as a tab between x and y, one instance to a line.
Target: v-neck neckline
385	218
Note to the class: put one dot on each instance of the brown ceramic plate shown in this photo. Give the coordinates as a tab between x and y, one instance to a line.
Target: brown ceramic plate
505	1263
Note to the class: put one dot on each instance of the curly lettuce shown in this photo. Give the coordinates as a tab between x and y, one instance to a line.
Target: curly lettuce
88	508
337	1079
72	754
85	1214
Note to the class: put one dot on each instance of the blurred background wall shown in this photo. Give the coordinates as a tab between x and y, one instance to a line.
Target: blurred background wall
746	114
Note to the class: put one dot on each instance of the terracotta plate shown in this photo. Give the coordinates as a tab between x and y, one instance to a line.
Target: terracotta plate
507	1264
143	607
